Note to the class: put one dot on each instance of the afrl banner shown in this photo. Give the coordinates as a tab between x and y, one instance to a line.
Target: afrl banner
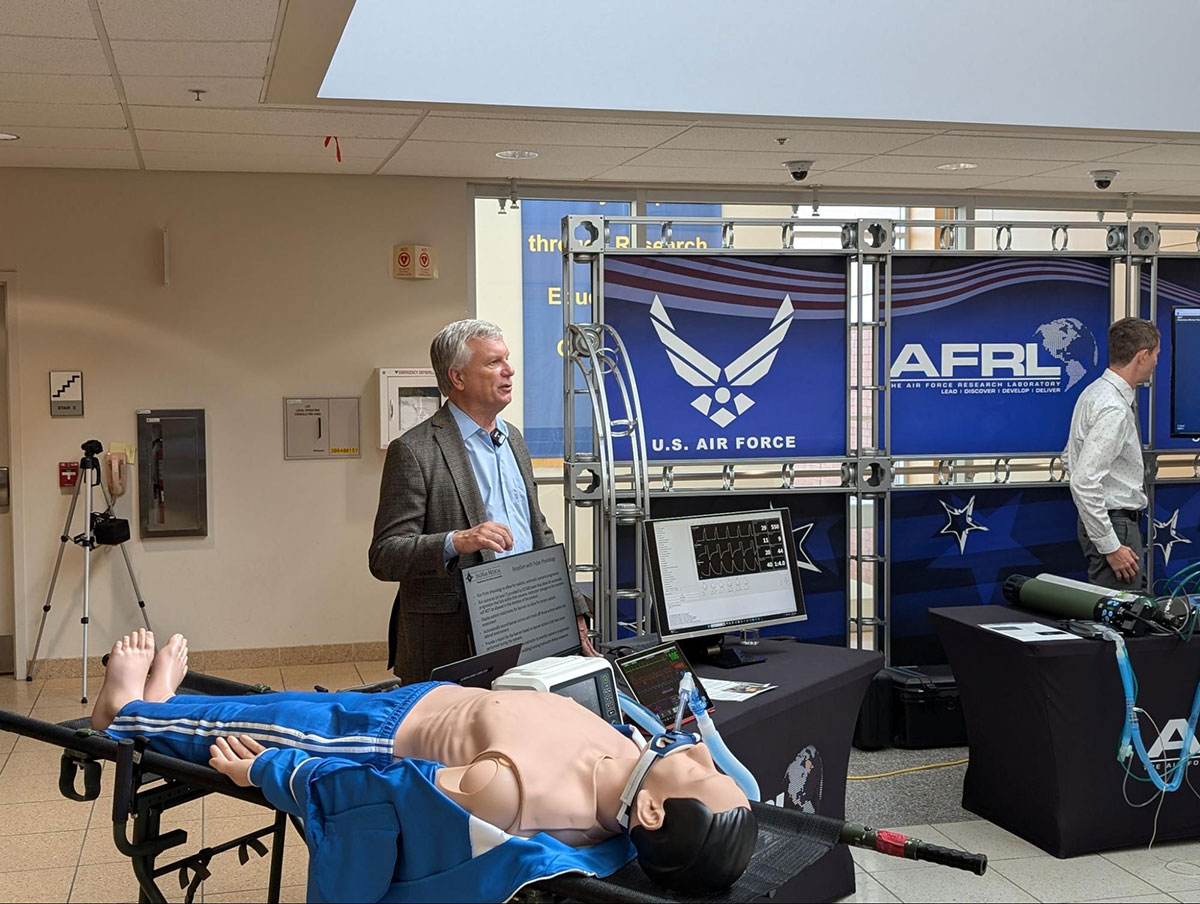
1176	529
989	355
957	546
735	357
1178	286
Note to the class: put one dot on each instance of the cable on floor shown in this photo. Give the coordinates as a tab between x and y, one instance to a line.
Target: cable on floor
864	778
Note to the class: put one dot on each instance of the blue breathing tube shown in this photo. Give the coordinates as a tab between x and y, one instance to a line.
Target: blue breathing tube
1131	735
721	754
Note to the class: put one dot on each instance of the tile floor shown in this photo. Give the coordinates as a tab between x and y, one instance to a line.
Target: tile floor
53	849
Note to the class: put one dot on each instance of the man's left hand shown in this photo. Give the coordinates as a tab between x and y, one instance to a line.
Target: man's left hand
584	640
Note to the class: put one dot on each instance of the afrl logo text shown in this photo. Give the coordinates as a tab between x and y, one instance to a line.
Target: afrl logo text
996	360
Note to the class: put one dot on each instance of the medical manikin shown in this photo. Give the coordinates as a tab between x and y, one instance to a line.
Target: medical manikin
531	764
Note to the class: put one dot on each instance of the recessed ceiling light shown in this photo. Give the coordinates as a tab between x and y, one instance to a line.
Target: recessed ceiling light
516	155
8	136
955	167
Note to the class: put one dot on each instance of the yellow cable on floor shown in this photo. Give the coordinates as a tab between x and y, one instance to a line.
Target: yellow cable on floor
863	778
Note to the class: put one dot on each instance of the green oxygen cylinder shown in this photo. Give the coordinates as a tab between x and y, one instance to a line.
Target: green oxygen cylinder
1060	600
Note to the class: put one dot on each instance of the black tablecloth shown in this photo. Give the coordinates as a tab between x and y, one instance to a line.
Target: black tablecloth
1043	724
809	717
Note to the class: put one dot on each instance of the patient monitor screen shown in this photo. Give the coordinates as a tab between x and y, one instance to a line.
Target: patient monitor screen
716	572
1185	372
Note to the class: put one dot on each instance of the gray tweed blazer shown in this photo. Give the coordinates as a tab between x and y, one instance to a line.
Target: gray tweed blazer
429	489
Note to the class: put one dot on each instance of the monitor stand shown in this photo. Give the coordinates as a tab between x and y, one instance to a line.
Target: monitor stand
714	651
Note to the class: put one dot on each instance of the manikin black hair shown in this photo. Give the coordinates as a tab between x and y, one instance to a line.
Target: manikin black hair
696	849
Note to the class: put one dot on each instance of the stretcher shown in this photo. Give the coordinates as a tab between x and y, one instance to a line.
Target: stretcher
147	784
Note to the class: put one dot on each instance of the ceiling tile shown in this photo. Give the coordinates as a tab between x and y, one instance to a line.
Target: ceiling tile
189	58
728	176
57	89
63	56
985	166
210	20
43	137
1128	171
47	18
969	147
1076	184
266	121
480	161
887	181
1171	152
1190	189
801	142
173	91
69	157
772	160
257	163
92	116
218	143
515	133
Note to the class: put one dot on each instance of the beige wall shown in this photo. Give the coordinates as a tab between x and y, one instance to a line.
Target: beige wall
279	286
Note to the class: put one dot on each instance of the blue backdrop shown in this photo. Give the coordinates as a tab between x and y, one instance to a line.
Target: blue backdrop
1178	286
819	531
956	546
1176	529
735	357
989	355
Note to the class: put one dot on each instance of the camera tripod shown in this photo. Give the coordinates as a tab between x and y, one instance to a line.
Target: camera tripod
89	476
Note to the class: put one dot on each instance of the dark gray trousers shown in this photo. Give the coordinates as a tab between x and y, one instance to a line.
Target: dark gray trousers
1129	532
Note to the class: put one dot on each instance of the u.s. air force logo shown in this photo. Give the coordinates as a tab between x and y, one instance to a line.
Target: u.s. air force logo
746	370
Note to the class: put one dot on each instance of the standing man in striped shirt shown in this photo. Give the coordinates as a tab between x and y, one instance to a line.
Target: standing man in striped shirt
1104	455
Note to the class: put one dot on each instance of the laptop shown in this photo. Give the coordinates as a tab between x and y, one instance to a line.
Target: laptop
478	671
653	677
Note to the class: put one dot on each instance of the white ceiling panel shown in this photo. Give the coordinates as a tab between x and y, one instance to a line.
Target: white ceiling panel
257	163
47	18
480	160
207	20
191	58
198	118
932	181
1082	183
1126	171
43	137
1172	152
64	56
772	160
517	133
727	176
985	166
90	116
57	89
173	91
68	157
217	143
969	147
1190	189
799	141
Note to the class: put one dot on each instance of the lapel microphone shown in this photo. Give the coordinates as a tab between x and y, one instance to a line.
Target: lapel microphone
497	438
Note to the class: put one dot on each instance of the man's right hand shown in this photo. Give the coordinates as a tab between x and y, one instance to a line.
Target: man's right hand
1123	563
489	535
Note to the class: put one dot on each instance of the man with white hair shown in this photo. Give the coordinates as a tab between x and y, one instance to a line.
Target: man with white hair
458	489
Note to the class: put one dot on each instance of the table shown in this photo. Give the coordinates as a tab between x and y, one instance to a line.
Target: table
809	716
1043	724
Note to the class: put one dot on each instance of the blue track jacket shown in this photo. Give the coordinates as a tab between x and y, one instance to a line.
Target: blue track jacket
390	835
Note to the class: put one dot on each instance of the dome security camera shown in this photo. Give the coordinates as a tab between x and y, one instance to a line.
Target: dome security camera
1103	178
799	169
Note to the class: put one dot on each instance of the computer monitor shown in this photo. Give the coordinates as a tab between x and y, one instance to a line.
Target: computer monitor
711	574
1185	372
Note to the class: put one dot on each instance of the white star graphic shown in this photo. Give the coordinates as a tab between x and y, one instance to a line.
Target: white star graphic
803	561
1170	526
963	517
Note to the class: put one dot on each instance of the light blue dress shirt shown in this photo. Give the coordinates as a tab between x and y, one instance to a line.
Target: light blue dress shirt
505	499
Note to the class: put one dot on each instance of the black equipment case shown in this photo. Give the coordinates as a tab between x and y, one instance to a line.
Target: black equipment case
912	707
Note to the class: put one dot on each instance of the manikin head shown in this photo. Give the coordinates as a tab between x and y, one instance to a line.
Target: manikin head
692	825
470	359
1133	346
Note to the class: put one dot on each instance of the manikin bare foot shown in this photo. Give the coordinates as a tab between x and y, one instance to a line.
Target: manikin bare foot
128	665
170	665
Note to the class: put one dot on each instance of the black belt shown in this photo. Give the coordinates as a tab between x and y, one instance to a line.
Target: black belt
1128	513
